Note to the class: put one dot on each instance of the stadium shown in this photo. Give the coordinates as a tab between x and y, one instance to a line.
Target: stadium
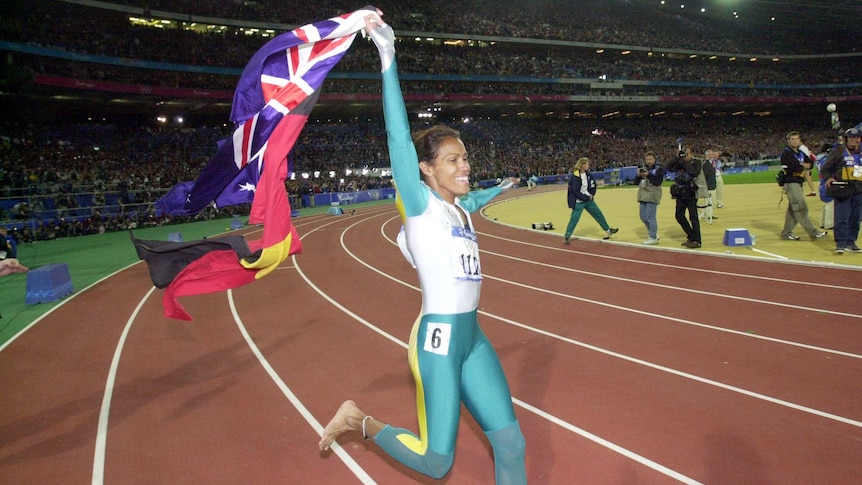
731	363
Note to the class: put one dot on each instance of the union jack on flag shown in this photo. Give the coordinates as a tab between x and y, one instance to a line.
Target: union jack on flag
283	77
275	94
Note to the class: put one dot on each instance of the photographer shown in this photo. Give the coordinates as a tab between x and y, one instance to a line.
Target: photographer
796	160
843	173
686	190
650	177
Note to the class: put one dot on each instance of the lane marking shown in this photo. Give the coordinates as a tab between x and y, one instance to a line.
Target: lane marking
679	373
105	410
676	288
61	303
777	256
641	312
571	427
681	320
348	460
687	268
816	264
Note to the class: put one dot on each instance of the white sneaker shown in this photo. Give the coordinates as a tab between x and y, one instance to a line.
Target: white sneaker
651	241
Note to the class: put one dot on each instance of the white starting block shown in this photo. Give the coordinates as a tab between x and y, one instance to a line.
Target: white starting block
737	237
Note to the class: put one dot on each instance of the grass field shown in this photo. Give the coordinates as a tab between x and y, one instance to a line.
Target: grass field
90	259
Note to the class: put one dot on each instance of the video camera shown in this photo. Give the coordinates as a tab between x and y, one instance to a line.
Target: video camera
681	153
544	226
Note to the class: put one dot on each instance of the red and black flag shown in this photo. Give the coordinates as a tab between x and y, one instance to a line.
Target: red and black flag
272	101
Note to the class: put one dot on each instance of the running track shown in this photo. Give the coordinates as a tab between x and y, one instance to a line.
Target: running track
627	365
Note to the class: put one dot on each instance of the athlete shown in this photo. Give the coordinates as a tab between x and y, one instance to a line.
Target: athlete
450	357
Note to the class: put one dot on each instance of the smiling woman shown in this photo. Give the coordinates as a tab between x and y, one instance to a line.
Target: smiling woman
443	161
450	358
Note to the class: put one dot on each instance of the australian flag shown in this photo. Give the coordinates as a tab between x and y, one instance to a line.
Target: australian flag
274	96
283	78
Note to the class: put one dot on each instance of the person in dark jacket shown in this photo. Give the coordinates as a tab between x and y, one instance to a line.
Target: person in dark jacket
843	168
686	191
581	195
795	160
711	177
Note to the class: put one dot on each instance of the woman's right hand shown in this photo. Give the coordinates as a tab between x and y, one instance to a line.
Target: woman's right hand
383	37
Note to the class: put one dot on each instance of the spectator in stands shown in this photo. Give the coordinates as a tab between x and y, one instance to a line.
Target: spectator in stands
844	164
649	178
684	190
21	211
795	161
581	195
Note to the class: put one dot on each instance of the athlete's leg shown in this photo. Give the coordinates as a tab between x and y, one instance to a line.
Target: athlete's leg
437	348
486	395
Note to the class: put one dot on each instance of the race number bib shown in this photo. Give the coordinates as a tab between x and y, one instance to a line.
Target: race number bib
857	171
465	255
437	338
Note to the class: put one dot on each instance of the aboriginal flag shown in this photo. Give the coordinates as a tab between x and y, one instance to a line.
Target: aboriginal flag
274	96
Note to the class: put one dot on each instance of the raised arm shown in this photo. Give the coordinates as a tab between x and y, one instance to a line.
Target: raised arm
402	153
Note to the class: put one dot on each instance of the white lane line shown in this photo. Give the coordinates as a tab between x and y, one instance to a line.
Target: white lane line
640	312
678	320
768	253
607	444
679	373
581	432
643	362
63	302
686	268
686	290
105	410
354	467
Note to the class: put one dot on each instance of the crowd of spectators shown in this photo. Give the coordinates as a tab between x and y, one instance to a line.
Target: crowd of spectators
137	160
107	33
609	21
105	175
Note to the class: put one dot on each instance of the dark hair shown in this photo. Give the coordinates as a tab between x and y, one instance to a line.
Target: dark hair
427	141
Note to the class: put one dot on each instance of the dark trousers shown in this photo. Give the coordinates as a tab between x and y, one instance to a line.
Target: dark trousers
691	226
847	214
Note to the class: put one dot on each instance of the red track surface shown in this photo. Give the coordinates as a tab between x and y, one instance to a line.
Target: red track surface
627	365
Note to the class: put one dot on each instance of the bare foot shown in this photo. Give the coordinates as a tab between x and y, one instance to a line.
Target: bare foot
347	418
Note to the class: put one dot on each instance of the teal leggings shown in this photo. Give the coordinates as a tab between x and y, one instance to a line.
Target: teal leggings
593	209
453	362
